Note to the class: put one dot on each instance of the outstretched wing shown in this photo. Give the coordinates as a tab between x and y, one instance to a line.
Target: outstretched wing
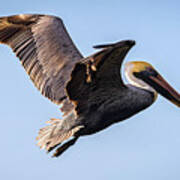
45	50
100	73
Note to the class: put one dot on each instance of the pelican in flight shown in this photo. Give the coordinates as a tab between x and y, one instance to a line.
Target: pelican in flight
90	90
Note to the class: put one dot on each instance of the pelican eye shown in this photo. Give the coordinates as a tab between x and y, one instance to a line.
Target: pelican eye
151	71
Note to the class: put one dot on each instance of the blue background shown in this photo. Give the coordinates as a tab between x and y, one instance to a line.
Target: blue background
145	147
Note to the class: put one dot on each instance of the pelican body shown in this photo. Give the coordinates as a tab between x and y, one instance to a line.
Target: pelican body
90	90
117	107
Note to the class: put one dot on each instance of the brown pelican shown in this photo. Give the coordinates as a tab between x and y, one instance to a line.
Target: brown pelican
90	90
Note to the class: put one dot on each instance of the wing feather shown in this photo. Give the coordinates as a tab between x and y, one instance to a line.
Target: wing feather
45	49
108	62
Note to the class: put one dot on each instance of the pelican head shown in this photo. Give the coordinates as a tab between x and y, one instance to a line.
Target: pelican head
143	75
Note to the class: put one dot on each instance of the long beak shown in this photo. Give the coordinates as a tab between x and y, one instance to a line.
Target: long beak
163	88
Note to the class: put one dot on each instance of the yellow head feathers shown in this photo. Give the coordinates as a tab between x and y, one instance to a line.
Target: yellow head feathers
138	66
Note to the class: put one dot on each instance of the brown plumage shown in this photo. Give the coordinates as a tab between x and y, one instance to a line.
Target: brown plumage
90	90
45	50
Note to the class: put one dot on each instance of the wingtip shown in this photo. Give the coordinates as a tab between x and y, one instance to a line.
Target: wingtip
120	43
130	42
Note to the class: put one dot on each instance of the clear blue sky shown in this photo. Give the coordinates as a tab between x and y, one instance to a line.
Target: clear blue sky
145	147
